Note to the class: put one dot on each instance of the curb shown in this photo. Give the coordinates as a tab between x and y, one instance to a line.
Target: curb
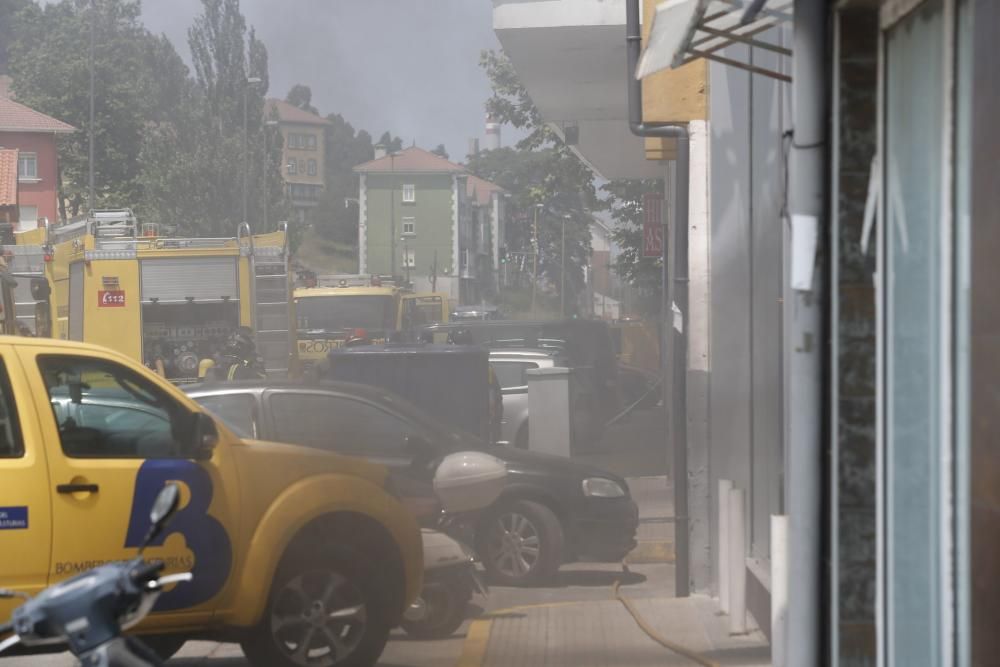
652	551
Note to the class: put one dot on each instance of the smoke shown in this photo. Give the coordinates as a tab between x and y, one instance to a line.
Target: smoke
409	66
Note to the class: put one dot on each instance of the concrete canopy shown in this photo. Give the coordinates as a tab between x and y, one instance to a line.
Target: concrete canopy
570	55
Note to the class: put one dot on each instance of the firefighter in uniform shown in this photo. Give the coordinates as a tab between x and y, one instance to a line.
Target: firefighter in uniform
240	360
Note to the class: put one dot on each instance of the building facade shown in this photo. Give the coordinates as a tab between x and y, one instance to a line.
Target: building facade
849	183
33	135
303	167
423	220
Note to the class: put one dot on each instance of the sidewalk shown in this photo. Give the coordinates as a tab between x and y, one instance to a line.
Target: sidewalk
603	634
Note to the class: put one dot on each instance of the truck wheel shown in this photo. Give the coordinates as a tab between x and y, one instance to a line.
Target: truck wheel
439	610
521	543
325	609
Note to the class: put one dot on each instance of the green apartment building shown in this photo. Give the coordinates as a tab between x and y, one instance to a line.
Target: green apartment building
423	217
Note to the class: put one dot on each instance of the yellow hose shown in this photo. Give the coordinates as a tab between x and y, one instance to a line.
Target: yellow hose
657	637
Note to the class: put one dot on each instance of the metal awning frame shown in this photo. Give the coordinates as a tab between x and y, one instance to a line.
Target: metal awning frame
718	24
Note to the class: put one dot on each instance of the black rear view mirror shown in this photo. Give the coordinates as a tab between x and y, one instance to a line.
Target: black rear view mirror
206	437
40	290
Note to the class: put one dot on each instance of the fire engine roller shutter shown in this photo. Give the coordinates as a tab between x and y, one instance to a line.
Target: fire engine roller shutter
76	301
178	279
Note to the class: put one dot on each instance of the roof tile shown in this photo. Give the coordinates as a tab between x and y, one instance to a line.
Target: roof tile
15	117
292	114
412	160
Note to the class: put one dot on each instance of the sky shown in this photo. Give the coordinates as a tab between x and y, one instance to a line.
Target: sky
409	66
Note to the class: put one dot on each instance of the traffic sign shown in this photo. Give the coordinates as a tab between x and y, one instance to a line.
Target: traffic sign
652	225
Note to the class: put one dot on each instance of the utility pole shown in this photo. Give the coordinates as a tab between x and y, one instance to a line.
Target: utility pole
534	268
90	125
251	81
392	216
406	259
562	271
434	272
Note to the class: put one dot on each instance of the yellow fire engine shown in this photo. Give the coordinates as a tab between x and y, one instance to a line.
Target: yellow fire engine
167	302
330	309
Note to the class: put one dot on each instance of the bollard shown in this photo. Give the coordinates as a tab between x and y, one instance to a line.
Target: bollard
737	564
779	588
725	485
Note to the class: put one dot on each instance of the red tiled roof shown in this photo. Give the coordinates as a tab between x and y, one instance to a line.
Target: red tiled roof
8	177
15	117
481	190
292	114
412	160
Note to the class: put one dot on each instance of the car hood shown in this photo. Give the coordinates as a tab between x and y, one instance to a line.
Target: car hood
520	460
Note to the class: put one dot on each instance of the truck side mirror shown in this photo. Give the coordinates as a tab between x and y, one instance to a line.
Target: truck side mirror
206	437
40	289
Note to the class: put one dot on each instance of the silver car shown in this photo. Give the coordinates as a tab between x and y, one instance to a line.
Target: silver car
509	366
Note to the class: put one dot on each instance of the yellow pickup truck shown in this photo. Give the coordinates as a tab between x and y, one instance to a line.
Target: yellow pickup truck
295	552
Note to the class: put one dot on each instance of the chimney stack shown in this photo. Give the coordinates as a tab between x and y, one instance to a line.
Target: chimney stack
379	151
492	134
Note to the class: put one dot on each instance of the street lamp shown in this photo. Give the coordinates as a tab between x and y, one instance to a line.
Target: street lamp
562	269
267	157
250	82
406	257
534	255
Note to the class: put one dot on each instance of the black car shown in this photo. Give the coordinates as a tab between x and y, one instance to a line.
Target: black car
553	510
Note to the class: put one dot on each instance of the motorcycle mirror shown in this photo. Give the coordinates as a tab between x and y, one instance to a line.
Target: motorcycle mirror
164	506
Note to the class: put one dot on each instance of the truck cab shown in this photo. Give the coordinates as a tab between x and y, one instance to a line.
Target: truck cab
88	437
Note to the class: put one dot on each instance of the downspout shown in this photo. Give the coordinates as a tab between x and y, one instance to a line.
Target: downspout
678	290
807	336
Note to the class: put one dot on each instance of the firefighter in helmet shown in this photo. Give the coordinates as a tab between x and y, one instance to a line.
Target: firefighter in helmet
240	360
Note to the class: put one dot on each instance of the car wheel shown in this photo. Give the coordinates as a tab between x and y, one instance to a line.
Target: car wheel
521	543
165	646
439	610
325	610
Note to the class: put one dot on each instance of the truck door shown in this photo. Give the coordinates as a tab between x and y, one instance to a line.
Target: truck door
25	504
116	438
419	310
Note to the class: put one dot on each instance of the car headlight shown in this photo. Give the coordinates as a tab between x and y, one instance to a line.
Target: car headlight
599	487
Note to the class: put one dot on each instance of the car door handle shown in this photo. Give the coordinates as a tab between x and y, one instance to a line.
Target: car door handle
77	488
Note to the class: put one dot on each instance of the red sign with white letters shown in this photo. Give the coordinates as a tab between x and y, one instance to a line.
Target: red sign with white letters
111	298
652	225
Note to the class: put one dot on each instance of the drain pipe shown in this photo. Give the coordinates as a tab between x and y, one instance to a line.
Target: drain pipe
679	235
804	313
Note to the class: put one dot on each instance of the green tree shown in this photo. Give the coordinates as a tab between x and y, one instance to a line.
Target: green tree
194	165
440	151
625	203
8	22
336	216
392	144
301	96
539	172
139	80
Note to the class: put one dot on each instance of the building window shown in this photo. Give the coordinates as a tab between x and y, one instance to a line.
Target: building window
293	166
27	167
409	258
410	226
293	140
312	166
311	142
409	193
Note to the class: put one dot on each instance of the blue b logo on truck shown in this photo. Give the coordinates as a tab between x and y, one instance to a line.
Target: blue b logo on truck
206	537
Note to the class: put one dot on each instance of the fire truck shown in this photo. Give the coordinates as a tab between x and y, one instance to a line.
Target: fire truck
168	302
330	309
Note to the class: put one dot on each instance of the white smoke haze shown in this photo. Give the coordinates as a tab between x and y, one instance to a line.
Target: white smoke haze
408	66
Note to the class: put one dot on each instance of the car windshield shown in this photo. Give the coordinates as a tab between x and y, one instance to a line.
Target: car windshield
347	311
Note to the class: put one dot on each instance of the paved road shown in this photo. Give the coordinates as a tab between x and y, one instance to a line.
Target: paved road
580	582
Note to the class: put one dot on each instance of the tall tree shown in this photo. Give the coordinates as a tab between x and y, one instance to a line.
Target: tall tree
195	166
301	96
139	79
440	151
336	216
8	17
539	172
392	144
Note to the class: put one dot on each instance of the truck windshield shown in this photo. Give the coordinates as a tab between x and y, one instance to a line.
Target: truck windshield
340	312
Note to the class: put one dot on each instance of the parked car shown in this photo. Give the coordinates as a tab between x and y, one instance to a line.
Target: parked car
552	511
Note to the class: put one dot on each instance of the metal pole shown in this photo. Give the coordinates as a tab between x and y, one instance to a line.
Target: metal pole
406	259
392	216
246	157
90	127
562	272
804	313
534	259
633	38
